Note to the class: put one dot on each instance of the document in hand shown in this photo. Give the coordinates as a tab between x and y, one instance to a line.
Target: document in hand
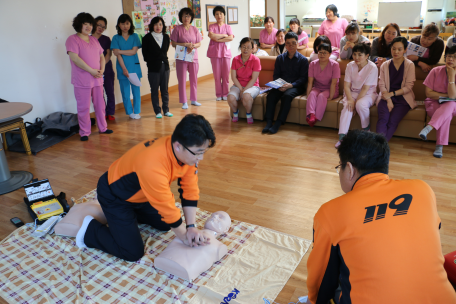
278	83
181	54
445	99
415	49
133	77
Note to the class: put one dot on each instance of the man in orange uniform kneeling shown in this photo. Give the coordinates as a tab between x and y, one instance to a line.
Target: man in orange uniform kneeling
380	241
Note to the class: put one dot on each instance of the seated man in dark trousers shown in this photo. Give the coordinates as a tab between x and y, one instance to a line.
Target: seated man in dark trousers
136	189
292	67
380	241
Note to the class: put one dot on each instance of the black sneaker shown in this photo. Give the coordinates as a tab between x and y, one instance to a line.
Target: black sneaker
84	138
107	131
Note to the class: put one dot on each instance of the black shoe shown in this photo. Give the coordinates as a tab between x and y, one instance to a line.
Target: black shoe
84	138
275	127
107	131
268	126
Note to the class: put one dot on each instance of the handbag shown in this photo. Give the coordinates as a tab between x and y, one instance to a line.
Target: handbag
31	129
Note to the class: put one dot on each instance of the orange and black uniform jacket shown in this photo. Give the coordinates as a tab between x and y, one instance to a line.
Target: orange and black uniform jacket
381	241
145	174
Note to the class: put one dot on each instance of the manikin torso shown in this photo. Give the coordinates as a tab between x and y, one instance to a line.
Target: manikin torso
189	262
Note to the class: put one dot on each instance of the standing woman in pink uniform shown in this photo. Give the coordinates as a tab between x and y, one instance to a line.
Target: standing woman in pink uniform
219	51
268	35
188	36
87	68
295	26
333	27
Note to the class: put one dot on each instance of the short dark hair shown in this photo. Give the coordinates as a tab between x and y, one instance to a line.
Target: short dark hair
451	50
325	47
219	8
156	20
80	19
430	29
99	18
291	35
333	8
319	40
400	39
352	27
266	20
296	20
193	130
277	34
366	151
364	48
245	40
256	41
186	10
122	19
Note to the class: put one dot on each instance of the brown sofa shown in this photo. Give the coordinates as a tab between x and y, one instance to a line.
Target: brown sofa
410	126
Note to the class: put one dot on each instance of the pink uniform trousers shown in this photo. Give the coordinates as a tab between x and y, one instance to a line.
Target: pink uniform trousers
181	70
316	102
441	118
362	108
83	96
221	70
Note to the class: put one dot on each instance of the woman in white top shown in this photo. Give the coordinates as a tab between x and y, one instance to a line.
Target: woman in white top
279	47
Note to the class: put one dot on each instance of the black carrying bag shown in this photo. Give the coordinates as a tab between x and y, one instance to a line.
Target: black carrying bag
32	129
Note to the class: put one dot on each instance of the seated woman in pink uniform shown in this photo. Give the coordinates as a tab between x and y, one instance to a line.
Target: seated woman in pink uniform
219	51
397	77
268	35
441	83
188	36
333	27
303	39
245	70
360	89
323	39
87	68
323	83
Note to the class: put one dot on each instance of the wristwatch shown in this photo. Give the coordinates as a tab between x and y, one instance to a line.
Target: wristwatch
394	92
190	226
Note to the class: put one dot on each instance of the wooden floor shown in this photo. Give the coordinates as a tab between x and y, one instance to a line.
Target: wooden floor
276	181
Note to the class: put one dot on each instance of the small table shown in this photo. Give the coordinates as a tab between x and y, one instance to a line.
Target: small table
12	180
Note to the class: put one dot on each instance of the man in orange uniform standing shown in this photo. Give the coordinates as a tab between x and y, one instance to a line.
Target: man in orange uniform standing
136	189
380	241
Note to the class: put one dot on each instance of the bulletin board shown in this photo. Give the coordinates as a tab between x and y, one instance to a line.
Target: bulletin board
232	14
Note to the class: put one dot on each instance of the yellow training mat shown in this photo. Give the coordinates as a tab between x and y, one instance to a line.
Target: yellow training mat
53	269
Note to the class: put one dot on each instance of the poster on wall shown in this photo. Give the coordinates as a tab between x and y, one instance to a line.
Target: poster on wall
137	5
137	19
197	8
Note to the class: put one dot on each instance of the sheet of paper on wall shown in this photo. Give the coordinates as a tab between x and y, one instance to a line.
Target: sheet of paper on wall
415	49
133	77
235	14
230	15
211	16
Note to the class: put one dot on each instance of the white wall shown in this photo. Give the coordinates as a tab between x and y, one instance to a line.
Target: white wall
316	8
36	68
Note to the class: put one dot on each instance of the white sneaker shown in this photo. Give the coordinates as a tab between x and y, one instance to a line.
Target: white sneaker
82	231
137	116
168	114
159	115
195	103
219	98
185	106
225	98
133	116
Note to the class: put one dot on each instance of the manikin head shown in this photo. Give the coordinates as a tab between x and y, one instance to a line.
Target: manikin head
219	222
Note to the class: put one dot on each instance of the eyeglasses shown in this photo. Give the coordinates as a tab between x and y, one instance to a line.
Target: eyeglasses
291	44
337	168
451	57
103	27
246	48
323	53
196	154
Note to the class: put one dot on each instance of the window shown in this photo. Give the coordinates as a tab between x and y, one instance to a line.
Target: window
257	13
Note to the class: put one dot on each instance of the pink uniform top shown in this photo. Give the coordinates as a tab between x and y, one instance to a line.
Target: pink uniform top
322	79
437	80
90	54
367	76
219	49
244	71
268	38
334	31
182	35
304	38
